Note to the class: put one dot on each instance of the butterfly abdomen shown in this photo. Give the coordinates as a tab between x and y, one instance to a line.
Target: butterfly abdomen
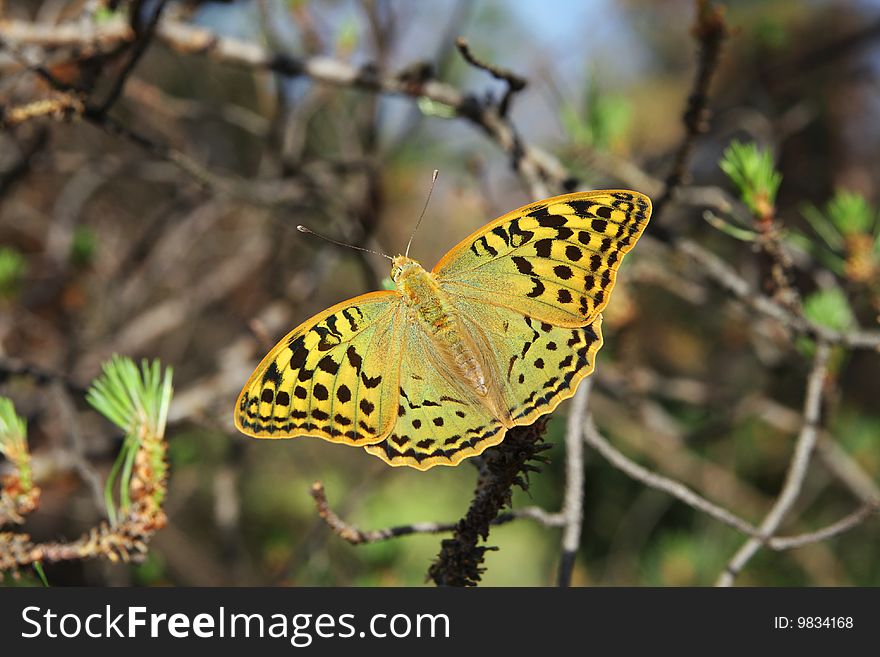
431	307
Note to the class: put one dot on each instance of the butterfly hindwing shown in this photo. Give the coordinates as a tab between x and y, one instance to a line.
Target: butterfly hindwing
439	421
555	260
539	364
323	379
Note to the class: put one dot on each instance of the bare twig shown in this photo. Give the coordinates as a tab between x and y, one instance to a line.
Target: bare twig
678	490
689	497
797	469
844	524
573	504
725	276
710	30
514	82
357	536
142	41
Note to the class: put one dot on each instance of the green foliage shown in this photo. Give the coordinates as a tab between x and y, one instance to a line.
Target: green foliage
38	568
846	214
829	308
752	171
151	571
105	15
771	34
602	119
348	36
13	441
430	107
12	268
137	402
851	213
732	230
13	428
849	229
84	246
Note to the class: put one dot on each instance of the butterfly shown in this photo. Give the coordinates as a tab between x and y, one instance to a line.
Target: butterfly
502	330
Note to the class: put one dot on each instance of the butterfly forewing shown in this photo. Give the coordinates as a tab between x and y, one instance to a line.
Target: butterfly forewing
324	379
555	261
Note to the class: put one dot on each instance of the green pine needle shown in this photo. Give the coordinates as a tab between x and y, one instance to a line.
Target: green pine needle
38	568
752	172
829	308
137	402
602	121
13	428
12	269
13	441
823	227
850	213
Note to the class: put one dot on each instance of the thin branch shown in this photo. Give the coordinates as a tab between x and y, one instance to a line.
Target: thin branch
710	31
10	367
573	504
727	277
514	82
357	536
142	41
843	525
678	490
797	469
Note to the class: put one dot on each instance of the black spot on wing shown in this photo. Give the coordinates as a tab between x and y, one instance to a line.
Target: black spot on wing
327	364
272	375
538	288
563	271
522	265
500	232
483	243
349	314
371	381
543	248
552	221
354	359
518	236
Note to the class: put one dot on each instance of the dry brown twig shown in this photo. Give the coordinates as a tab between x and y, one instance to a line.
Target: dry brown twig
797	471
710	31
357	536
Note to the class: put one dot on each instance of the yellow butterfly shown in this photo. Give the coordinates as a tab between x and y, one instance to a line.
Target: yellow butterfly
502	330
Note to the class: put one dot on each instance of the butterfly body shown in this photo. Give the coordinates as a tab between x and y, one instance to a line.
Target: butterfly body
431	310
503	329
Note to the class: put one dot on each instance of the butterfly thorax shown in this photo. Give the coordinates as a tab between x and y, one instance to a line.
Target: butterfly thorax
431	307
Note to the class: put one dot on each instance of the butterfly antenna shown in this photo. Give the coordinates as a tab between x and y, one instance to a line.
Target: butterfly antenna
309	231
422	216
